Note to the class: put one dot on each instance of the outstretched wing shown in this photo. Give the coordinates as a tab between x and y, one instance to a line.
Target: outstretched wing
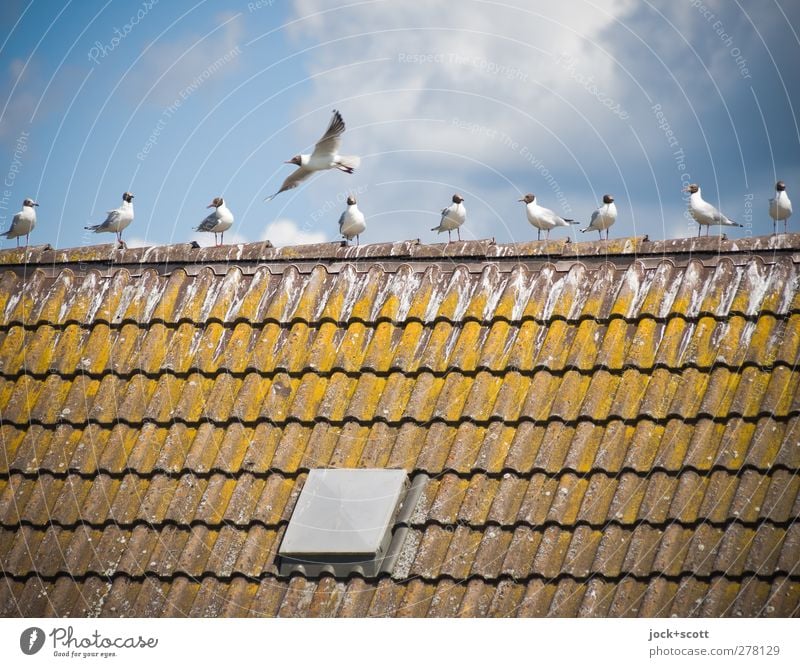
331	141
292	181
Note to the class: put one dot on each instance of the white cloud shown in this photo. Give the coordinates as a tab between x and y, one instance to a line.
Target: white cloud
138	242
491	67
207	238
287	233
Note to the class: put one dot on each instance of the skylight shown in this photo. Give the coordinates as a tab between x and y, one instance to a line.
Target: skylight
343	521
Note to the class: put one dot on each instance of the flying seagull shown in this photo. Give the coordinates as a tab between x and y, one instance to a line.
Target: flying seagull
543	218
325	156
780	208
704	213
117	219
452	218
22	223
352	221
603	217
217	222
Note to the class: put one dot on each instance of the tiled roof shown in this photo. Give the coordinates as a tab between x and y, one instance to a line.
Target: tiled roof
608	428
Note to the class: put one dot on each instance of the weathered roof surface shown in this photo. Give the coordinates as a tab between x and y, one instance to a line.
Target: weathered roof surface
608	428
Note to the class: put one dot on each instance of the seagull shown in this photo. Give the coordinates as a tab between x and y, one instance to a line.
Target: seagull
22	223
219	221
780	208
452	218
705	213
325	156
543	218
117	219
352	222
603	217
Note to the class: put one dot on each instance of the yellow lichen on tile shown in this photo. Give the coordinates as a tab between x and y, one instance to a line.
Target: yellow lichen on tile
38	350
467	348
352	347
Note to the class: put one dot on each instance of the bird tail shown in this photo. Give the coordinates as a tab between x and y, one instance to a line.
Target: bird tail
572	222
436	229
94	228
348	162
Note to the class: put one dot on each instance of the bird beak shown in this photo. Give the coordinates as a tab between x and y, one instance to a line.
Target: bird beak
211	205
686	189
35	204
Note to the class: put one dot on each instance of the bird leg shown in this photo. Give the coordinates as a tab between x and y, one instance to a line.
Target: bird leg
538	234
458	231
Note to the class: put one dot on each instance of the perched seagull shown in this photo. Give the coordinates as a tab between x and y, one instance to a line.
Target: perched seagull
452	218
780	208
117	219
325	156
219	221
543	218
22	223
603	217
705	213
352	222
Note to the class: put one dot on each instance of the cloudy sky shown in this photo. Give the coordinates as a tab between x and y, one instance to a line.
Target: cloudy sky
180	102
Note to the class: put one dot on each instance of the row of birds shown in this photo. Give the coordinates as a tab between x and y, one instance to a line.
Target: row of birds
352	222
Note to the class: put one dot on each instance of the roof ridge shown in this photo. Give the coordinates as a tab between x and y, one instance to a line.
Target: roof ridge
410	250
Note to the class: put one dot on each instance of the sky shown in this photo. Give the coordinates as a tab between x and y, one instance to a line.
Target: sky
180	102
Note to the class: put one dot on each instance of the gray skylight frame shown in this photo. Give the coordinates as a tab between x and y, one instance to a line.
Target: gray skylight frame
374	501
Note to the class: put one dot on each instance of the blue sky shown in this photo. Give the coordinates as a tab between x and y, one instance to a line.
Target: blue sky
184	101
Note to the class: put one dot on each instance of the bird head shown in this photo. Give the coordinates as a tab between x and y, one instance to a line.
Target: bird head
528	199
457	199
294	160
216	203
127	196
29	202
351	200
608	199
780	186
693	188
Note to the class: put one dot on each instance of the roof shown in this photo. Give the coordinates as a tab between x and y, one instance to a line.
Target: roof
604	429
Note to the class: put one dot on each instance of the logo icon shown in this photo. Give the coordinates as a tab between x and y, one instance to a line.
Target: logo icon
31	640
